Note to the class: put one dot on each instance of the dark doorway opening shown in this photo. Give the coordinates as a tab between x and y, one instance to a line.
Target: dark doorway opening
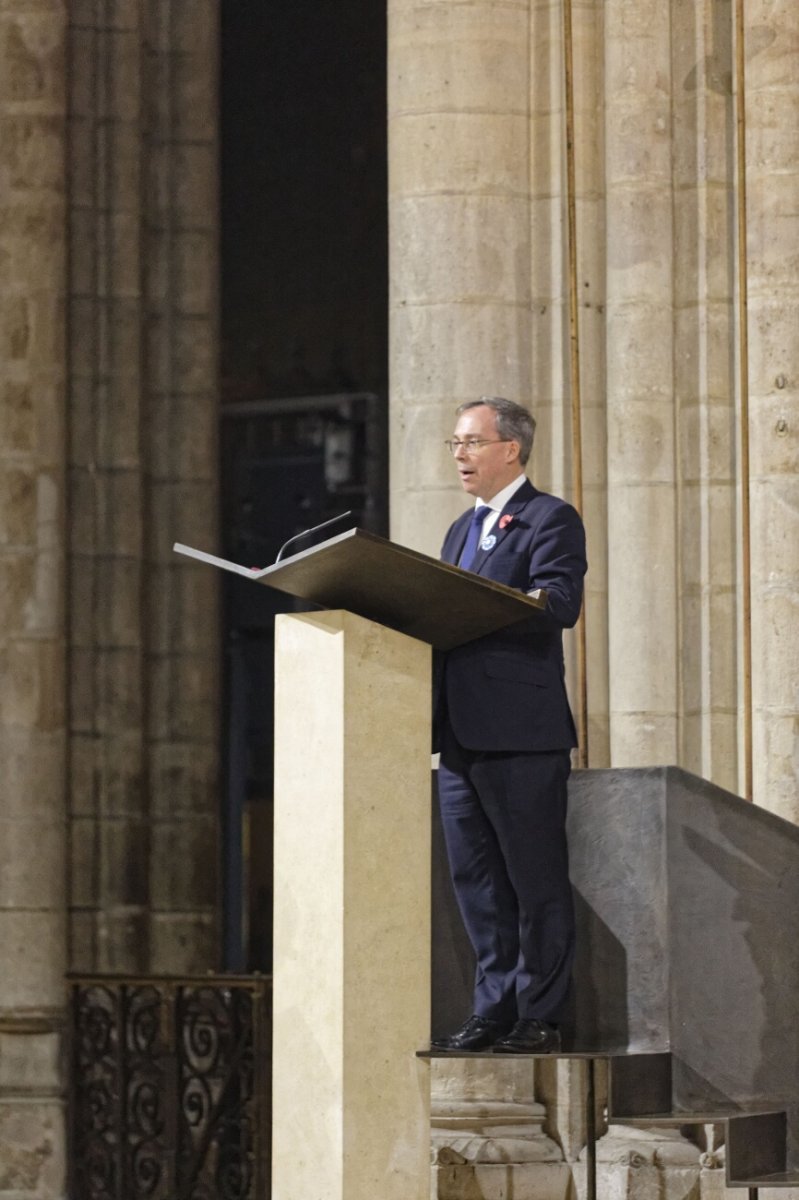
304	197
304	334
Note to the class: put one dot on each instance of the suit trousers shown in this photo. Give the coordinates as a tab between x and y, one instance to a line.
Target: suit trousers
504	819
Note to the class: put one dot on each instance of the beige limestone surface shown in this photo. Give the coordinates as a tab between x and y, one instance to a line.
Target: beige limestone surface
459	237
352	910
478	305
772	104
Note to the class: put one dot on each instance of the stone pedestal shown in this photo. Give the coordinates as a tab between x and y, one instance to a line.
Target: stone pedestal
643	1164
352	910
488	1136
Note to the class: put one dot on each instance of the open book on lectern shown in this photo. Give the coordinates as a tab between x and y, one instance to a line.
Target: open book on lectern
393	585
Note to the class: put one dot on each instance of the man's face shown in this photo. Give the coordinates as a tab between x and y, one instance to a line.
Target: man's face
488	468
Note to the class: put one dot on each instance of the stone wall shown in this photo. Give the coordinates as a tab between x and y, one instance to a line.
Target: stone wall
459	211
478	305
479	291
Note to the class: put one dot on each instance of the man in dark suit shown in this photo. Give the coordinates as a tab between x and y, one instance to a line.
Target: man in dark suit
505	732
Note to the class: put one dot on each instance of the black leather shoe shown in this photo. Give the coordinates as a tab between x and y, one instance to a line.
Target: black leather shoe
478	1033
529	1036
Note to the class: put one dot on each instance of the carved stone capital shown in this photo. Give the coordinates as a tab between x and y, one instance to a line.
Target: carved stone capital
663	1147
490	1131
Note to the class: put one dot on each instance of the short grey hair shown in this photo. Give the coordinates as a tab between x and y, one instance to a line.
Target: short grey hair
514	422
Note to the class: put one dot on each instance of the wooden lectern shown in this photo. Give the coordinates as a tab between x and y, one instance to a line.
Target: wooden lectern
352	857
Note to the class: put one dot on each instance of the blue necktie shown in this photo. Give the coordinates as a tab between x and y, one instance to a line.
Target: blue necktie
473	537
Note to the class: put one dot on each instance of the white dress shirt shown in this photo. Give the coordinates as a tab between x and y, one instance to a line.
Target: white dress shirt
497	503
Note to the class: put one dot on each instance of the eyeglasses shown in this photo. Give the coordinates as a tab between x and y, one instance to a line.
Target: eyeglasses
472	445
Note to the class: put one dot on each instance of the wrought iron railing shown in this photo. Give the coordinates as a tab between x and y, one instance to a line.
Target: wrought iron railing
170	1088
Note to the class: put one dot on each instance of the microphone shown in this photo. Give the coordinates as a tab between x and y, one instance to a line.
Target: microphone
307	533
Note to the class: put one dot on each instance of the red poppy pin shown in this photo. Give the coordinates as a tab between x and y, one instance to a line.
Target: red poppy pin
505	520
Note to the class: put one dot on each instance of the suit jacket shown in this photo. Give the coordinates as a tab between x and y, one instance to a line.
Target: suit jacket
506	691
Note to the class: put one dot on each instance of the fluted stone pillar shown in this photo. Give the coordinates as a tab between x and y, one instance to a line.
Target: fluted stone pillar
704	387
553	468
772	117
107	785
459	212
32	642
181	49
143	700
477	242
642	480
548	314
460	278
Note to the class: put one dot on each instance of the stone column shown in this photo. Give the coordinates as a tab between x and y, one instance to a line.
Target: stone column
143	474
548	315
179	442
488	1135
477	305
108	798
704	241
772	113
642	482
460	272
459	238
589	80
32	674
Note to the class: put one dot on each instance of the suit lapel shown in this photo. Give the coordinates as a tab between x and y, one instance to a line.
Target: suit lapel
457	540
504	523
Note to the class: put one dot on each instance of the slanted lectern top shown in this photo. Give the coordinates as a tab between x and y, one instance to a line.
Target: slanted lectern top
397	587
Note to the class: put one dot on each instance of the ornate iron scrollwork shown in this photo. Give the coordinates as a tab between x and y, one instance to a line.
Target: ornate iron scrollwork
170	1088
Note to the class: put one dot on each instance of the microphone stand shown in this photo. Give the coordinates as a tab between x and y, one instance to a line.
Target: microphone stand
307	532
